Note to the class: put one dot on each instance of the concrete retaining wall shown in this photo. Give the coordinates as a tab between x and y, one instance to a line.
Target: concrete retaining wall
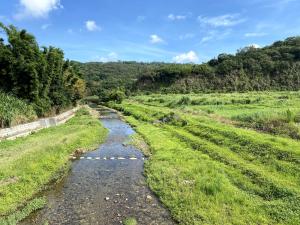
28	128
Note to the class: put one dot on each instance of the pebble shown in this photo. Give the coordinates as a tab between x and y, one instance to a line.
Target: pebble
106	198
149	198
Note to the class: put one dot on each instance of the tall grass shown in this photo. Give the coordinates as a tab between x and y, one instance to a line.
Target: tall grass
271	112
14	111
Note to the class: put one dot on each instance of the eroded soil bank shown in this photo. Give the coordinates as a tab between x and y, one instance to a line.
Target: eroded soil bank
104	186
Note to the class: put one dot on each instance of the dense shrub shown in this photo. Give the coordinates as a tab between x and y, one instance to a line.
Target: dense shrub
14	111
39	76
276	123
278	127
173	119
185	100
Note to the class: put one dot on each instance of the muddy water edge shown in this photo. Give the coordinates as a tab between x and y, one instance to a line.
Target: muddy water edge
104	186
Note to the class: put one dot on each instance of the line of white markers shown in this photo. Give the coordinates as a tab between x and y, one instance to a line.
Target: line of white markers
108	158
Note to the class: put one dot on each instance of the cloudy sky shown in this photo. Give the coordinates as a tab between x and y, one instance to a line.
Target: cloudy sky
157	30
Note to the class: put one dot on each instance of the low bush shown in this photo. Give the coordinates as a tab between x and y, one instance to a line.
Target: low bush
277	127
274	123
173	119
14	111
184	101
114	96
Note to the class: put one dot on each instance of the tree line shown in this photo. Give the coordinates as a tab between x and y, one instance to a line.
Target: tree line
274	67
38	75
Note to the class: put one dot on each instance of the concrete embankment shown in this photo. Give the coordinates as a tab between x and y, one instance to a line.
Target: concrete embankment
28	128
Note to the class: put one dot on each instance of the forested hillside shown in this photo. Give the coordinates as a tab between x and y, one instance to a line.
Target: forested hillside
103	77
40	77
274	67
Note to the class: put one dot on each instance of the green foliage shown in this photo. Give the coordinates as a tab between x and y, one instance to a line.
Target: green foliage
41	77
130	221
184	101
272	112
28	164
103	77
250	69
289	116
275	67
212	171
116	96
91	99
82	112
14	111
18	216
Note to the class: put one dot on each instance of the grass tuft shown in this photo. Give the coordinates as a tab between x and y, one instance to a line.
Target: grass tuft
130	221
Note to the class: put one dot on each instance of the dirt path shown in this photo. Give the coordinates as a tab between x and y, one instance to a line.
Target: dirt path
104	186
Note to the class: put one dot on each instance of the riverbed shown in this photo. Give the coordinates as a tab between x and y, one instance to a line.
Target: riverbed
104	186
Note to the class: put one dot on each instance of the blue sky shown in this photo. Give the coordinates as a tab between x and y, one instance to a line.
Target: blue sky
153	30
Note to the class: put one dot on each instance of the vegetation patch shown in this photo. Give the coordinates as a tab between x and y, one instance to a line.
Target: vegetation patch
37	75
33	205
211	171
14	111
130	221
28	164
138	141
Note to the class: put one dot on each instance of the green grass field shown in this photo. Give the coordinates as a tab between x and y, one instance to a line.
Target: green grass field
28	164
209	165
272	112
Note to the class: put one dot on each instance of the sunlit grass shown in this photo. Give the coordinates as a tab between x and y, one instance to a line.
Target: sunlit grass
209	170
27	164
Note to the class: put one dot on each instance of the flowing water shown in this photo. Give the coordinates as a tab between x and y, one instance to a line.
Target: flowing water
104	186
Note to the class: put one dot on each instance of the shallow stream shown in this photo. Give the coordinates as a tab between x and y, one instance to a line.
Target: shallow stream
104	186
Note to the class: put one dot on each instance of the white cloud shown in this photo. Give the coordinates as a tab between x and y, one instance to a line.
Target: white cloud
111	57
186	36
255	34
207	38
189	57
45	26
36	8
155	39
173	17
226	20
215	35
91	25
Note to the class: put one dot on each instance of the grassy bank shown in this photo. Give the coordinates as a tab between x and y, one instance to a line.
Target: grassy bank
208	170
28	164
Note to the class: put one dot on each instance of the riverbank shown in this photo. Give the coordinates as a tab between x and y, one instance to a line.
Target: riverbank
28	164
